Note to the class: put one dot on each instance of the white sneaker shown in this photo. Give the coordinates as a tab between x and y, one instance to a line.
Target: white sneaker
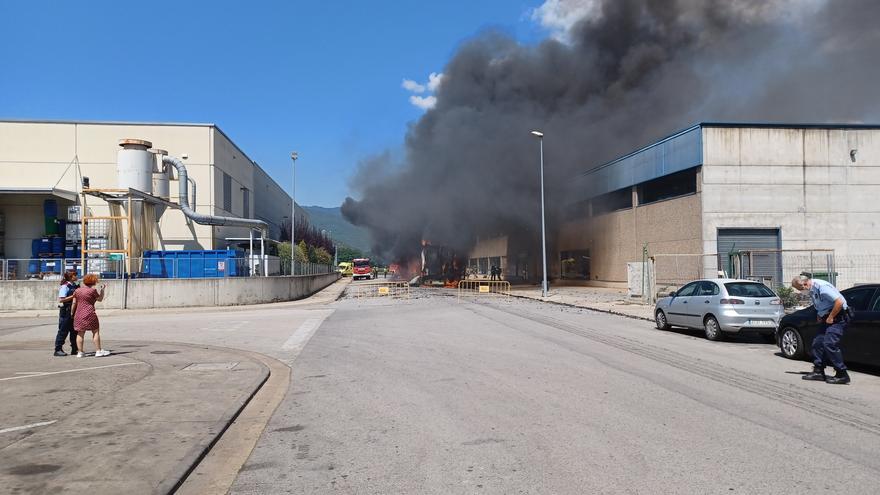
102	353
79	354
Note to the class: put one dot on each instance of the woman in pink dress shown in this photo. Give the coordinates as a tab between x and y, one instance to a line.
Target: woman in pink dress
84	315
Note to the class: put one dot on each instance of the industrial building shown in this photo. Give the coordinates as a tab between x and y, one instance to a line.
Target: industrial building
760	200
44	165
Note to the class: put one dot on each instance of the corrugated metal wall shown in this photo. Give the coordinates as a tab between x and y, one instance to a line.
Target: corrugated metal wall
673	154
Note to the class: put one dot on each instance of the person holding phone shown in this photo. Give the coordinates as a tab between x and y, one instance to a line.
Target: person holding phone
85	318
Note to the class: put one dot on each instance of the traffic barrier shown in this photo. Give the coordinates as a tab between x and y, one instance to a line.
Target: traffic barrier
483	288
398	289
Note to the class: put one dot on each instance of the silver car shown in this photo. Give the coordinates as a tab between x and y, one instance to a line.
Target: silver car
721	305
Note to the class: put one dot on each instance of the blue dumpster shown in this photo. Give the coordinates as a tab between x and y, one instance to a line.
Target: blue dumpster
193	264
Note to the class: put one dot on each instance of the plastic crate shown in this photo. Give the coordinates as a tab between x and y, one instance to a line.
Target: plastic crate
98	228
73	231
74	213
50	266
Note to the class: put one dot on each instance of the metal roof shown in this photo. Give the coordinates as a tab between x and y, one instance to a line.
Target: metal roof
678	151
104	122
50	191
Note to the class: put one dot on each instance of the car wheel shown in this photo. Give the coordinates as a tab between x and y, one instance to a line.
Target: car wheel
660	319
791	344
713	329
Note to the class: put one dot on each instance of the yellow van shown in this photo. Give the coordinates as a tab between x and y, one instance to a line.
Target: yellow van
345	268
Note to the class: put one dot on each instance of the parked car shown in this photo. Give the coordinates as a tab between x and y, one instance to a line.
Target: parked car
721	306
861	340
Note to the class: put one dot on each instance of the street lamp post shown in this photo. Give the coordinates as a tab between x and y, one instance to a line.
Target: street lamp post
293	156
540	136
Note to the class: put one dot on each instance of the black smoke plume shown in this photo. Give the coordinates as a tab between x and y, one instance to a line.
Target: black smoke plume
632	72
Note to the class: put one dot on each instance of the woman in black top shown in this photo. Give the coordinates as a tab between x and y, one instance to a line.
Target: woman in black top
65	319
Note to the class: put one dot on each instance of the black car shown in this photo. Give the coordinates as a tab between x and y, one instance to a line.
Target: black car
861	341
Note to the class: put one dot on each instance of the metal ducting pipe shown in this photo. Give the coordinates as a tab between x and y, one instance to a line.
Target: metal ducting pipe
201	218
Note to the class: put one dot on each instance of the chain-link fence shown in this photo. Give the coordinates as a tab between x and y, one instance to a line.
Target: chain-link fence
667	272
659	274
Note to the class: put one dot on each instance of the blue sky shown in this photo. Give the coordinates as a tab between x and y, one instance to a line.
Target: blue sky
323	78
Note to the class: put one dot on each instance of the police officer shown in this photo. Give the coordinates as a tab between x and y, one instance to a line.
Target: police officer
65	319
833	315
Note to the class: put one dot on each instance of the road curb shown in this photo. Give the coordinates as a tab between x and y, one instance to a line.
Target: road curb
215	471
194	457
591	308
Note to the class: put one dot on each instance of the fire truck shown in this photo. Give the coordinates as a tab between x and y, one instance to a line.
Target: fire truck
361	269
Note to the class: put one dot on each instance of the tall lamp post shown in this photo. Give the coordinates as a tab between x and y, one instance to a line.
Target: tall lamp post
293	156
540	136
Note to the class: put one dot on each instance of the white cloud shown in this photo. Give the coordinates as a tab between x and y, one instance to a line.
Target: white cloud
410	85
434	81
559	16
428	101
423	102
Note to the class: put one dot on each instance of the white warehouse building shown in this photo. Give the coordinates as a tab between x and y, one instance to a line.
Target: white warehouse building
42	160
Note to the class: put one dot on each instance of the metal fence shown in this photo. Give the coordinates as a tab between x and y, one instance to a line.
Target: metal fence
399	289
662	273
54	268
483	288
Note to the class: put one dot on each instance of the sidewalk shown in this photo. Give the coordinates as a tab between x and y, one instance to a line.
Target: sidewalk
612	301
134	422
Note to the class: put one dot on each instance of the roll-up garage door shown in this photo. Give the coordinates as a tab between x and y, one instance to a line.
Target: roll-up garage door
766	266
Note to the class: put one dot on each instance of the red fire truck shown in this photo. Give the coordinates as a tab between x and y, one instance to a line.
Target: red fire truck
361	269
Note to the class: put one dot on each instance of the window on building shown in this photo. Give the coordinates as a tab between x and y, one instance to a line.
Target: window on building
613	201
671	186
575	264
246	201
227	192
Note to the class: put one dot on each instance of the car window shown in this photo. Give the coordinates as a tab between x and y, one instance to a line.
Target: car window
876	303
748	289
709	289
858	299
688	290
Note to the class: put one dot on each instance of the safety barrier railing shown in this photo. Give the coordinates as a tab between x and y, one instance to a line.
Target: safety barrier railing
117	267
484	288
398	289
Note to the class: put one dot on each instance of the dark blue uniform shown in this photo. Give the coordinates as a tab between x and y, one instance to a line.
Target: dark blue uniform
65	319
826	345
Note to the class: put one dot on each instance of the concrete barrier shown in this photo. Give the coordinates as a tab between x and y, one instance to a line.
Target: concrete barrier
171	293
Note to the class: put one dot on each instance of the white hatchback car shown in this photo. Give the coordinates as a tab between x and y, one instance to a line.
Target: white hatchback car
721	305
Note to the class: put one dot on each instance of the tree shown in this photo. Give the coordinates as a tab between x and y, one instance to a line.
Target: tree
346	253
320	255
302	252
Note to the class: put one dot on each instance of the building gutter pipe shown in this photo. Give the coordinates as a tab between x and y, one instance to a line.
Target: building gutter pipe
202	218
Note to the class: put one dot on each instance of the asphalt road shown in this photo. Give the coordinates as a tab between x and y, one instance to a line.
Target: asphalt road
437	395
434	395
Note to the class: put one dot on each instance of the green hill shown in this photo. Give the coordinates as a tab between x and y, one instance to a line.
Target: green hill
343	232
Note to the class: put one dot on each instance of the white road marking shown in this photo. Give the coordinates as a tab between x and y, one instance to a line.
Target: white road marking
67	371
25	427
301	336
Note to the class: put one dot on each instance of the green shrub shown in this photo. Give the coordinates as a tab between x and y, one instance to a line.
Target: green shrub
790	297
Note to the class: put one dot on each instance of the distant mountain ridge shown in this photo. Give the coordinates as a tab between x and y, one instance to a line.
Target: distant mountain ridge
343	232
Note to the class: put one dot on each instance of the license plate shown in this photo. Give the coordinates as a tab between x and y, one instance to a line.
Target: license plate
761	323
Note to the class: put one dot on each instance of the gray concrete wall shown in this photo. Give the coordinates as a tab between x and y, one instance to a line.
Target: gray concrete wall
172	293
802	181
